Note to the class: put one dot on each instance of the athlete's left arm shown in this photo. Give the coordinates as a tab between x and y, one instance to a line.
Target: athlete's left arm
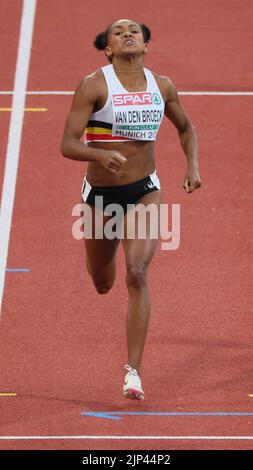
187	134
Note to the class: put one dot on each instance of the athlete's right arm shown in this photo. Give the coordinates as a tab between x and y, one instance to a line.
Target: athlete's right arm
83	103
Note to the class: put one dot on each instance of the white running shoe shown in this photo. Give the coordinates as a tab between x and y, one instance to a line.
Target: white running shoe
132	385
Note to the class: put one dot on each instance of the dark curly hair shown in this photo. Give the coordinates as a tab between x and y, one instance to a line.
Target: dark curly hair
101	40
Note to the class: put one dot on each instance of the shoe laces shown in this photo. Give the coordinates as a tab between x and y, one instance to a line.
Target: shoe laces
131	370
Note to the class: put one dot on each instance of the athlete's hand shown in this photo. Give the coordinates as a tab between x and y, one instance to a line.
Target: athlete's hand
112	161
192	180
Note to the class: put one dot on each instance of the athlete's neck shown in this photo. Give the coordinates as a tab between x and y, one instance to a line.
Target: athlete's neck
128	66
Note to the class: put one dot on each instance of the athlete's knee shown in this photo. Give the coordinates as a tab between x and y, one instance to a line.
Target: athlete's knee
103	288
136	275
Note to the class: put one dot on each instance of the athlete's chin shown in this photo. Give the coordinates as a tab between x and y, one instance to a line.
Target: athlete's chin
131	52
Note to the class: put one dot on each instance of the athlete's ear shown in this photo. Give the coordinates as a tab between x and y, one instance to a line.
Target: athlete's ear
145	48
108	52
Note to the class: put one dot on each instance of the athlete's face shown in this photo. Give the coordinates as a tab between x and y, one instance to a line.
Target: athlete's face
125	37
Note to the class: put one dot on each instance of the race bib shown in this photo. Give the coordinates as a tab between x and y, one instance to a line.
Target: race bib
137	116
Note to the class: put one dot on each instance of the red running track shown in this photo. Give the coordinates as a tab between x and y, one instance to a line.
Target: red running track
62	346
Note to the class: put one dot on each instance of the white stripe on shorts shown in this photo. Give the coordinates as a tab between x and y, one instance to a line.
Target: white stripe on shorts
155	180
86	189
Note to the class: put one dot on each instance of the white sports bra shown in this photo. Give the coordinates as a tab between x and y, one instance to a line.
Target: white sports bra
126	115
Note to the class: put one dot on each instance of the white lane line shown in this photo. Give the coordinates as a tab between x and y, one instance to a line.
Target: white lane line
216	93
15	133
192	93
40	92
176	438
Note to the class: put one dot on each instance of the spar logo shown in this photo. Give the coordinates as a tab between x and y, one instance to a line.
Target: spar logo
132	99
156	98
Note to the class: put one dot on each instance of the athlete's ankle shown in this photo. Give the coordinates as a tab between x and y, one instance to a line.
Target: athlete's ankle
134	366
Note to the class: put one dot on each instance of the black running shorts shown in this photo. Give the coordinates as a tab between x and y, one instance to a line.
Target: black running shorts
122	195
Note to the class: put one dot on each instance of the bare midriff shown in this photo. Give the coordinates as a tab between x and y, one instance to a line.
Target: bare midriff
140	163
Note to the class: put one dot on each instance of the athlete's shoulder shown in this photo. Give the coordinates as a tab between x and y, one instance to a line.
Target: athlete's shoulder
166	85
91	80
90	85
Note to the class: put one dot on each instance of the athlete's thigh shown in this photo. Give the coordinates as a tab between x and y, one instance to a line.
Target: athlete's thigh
141	232
100	251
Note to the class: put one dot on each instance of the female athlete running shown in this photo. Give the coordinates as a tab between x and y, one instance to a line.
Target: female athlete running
121	107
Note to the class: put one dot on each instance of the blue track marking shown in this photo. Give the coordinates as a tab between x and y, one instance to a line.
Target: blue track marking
17	270
117	415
